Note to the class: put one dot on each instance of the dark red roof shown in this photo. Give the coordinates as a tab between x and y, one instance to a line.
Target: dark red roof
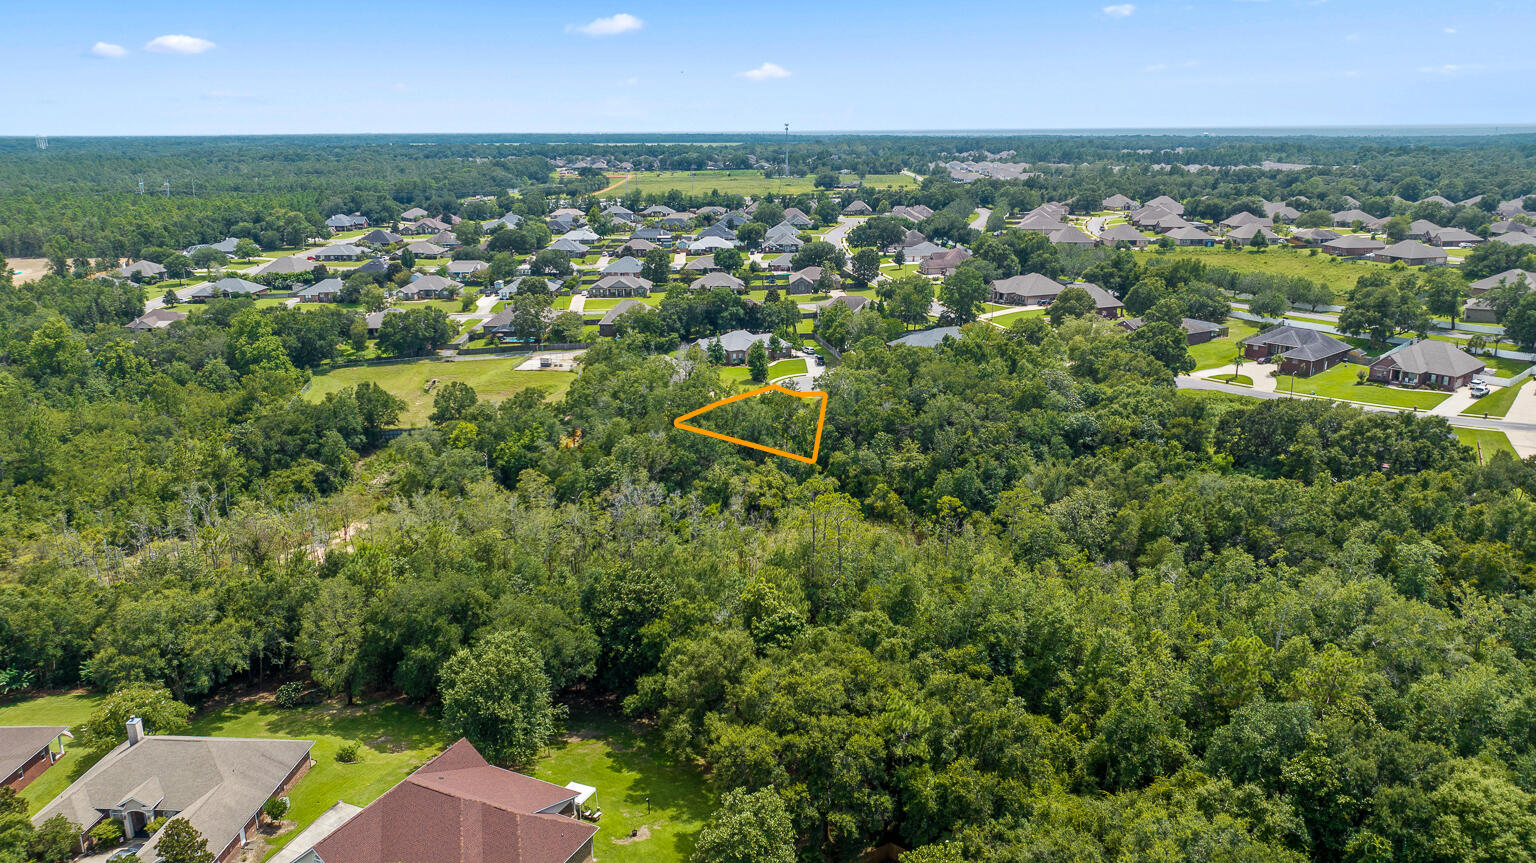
459	809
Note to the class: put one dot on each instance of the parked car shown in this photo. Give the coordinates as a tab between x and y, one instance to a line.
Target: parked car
1479	382
1478	391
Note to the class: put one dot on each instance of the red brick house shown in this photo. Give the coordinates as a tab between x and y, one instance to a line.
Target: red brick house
27	750
1427	364
1296	350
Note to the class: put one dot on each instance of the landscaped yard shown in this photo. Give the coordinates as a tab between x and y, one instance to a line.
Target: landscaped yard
745	182
1021	314
493	379
742	375
1235	380
1504	367
1496	403
1340	382
1220	352
602	304
1485	442
1337	274
70	710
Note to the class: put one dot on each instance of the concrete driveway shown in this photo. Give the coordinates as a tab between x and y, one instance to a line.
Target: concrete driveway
322	827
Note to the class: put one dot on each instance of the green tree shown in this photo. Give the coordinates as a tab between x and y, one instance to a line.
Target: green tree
911	299
656	267
1269	304
177	266
496	694
1444	291
181	843
452	402
1167	344
716	353
1072	302
834	323
331	636
748	827
757	362
56	840
108	724
1381	311
963	292
415	332
246	249
208	258
728	260
866	267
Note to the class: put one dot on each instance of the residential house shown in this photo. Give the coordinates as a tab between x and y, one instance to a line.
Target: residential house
1514	238
1483	286
636	247
1171	222
1245	234
1166	203
582	235
718	279
921	252
458	808
1421	229
682	222
154	319
796	218
216	784
607	326
1281	212
1071	235
1031	289
428	287
424	249
709	245
1196	332
806	281
943	263
913	214
782	238
142	271
653	235
570	247
620	213
229	286
737	342
625	266
413	214
1044	223
226	245
1426	363
929	338
1117	201
342	252
374	266
27	750
324	291
858	208
1148	217
1298	350
288	265
1105	304
1190	236
620	286
447	239
1347	218
1453	237
1438	199
1504	226
1238	220
703	264
719	230
1124	233
429	226
380	237
341	222
1412	252
779	263
1353	246
1312	236
854	302
375	320
467	270
657	211
1479	308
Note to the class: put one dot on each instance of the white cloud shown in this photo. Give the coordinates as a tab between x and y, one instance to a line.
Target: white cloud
107	49
1447	69
613	25
765	72
1352	37
1120	10
1450	31
629	82
177	44
1155	67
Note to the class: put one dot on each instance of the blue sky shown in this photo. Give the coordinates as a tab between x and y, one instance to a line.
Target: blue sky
470	66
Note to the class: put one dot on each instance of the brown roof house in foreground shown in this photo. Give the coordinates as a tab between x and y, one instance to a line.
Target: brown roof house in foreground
1427	363
27	750
458	808
218	784
1298	350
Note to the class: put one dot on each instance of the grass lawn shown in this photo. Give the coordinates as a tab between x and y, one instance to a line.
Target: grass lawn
493	379
638	789
448	306
1336	274
1504	367
602	304
1235	380
1340	382
1220	352
1021	314
71	710
741	375
745	182
1485	442
1496	403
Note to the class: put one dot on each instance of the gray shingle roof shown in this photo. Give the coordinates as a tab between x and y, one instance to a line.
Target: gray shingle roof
1433	357
1300	342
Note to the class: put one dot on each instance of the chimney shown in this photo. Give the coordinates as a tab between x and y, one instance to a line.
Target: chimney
135	730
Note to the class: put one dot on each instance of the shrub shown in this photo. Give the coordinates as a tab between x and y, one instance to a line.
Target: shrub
276	808
107	834
289	695
154	826
347	754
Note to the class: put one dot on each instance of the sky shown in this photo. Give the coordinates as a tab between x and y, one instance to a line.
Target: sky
105	67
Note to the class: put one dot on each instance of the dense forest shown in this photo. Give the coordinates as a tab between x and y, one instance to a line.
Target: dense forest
1033	603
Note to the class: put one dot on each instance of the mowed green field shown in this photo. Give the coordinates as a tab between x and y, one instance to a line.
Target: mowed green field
1220	352
737	182
1336	274
70	710
1485	442
493	379
1341	382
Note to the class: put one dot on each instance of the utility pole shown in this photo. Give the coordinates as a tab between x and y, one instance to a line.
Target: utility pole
786	152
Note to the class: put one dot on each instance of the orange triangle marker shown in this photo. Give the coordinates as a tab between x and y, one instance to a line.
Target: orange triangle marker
821	420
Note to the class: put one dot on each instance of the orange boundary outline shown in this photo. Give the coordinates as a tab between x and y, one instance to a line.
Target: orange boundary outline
821	420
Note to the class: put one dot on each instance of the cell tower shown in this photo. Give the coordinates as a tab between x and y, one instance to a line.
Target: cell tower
167	188
141	185
786	151
42	142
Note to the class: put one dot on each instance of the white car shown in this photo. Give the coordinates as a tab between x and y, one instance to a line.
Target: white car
1479	382
1479	391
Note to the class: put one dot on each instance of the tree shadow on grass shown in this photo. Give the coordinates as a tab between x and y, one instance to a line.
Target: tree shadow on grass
380	726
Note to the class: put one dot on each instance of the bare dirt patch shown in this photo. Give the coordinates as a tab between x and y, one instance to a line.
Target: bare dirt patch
640	835
28	269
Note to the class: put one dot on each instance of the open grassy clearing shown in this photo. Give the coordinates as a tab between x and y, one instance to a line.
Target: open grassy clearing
1341	382
744	182
1333	272
1485	442
493	379
1496	403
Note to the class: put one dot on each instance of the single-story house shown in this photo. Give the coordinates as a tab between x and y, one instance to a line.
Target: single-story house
620	286
1281	212
424	249
1421	229
447	239
719	230
463	271
1190	235
428	287
380	237
1514	238
854	302
1426	363
709	245
1298	350
286	266
1243	235
737	342
1312	236
779	263
343	252
796	218
428	226
1413	253
1238	220
805	281
374	265
608	324
324	291
1043	223
570	247
583	235
229	286
858	208
929	338
1196	332
1148	217
226	245
636	247
413	214
1071	235
154	319
921	252
375	320
217	784
657	211
1117	201
680	222
1166	203
1105	304
1347	218
1031	289
1483	286
142	271
654	235
625	266
458	808
702	264
943	263
343	222
718	279
785	240
1446	237
620	213
27	750
1353	245
915	213
1124	233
